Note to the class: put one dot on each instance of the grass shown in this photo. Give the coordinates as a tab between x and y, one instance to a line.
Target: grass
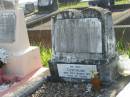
122	46
45	54
72	5
118	2
85	4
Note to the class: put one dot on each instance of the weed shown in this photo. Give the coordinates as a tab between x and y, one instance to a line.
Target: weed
45	54
122	46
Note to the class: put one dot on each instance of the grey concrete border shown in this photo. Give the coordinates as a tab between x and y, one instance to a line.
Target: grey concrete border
29	86
123	16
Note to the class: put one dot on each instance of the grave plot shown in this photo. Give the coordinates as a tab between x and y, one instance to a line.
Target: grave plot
51	89
47	5
102	3
14	38
18	60
77	58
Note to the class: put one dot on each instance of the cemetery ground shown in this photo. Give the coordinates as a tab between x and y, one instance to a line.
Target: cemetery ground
62	89
122	1
41	84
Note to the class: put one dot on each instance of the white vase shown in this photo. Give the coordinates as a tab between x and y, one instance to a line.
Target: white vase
124	65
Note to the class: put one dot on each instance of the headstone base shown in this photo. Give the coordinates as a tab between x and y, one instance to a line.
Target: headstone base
24	62
83	72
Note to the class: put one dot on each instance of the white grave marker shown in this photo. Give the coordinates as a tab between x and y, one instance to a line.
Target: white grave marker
23	58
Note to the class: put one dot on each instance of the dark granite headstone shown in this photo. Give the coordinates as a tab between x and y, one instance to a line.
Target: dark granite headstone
102	3
29	8
68	1
83	42
47	5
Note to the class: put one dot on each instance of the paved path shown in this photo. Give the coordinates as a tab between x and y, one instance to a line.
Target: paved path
34	17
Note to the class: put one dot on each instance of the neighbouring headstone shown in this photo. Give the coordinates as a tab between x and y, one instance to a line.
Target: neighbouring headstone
23	59
7	4
68	1
102	3
29	8
47	5
83	43
106	3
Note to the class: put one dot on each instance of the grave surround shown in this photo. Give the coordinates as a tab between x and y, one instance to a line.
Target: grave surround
83	42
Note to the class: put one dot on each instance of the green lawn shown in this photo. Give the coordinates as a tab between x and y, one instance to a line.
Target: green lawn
73	5
85	4
45	53
122	2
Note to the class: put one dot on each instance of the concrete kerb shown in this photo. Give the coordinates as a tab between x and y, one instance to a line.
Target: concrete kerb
28	85
31	22
119	18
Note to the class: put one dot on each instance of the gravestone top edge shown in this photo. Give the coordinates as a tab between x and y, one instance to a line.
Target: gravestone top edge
100	10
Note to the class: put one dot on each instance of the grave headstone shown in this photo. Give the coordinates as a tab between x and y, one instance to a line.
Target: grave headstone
23	58
68	1
83	42
106	3
29	8
47	5
102	3
7	4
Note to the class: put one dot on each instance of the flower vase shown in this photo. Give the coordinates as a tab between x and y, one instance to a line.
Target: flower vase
124	65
